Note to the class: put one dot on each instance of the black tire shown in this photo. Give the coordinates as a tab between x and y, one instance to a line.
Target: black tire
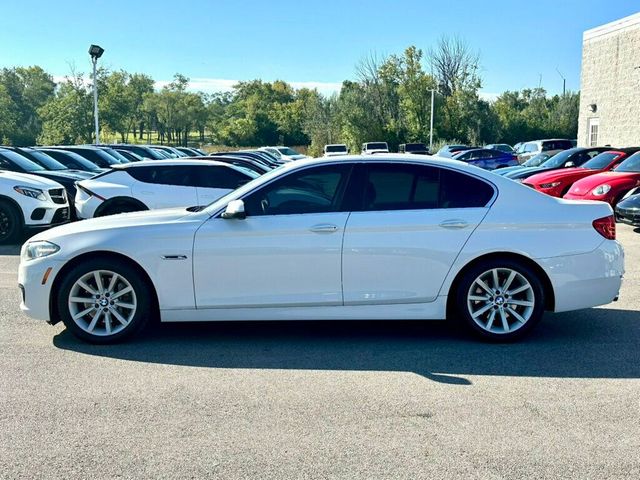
10	223
121	207
462	303
141	289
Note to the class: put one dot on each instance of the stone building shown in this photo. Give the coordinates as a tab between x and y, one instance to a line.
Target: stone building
610	85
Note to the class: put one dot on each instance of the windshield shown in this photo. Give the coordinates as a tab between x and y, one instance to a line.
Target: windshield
537	160
558	159
18	160
601	161
287	151
336	148
503	147
68	159
377	146
117	155
247	187
44	160
631	164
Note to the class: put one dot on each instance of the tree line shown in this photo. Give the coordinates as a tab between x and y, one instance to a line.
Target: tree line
389	99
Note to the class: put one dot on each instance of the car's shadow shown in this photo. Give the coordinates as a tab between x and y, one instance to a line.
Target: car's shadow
594	343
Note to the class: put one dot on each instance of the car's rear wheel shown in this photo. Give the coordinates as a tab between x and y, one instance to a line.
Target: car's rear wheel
103	301
500	300
10	225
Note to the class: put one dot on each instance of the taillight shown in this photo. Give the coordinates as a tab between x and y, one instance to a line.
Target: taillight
606	226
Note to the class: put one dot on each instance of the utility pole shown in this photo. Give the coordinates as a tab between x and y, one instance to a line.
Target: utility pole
431	125
564	82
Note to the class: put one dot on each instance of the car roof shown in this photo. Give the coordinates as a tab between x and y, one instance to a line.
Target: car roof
169	162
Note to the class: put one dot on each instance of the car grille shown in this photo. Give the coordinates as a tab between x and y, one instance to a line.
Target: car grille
61	215
58	195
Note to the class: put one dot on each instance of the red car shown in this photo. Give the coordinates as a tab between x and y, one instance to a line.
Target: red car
608	186
557	182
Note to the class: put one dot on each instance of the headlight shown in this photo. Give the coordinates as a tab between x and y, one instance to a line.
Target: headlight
601	190
39	249
549	185
31	192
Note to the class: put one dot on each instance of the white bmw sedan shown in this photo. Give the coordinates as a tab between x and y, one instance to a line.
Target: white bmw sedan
382	237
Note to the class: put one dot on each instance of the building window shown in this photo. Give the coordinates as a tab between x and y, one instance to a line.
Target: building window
594	124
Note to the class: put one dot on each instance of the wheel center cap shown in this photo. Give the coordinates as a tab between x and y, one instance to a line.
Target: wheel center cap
499	300
104	302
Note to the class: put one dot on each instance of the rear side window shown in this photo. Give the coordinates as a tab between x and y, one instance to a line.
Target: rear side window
532	147
163	175
413	187
208	176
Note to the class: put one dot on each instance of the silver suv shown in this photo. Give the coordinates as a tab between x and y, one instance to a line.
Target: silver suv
552	146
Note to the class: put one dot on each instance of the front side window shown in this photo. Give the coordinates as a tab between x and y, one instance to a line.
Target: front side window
312	190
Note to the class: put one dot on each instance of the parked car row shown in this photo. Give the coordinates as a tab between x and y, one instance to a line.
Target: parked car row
98	180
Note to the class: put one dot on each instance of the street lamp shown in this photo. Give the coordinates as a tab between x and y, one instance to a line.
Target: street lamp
96	52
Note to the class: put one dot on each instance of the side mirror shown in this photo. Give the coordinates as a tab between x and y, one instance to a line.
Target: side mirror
235	209
569	164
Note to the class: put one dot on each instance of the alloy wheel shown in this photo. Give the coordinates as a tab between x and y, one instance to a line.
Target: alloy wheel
102	302
501	300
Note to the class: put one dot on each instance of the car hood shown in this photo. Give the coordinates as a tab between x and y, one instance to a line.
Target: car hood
27	180
115	222
630	203
563	174
524	172
68	175
615	179
506	170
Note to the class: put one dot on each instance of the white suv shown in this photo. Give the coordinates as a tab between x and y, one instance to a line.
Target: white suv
335	150
28	202
155	184
370	148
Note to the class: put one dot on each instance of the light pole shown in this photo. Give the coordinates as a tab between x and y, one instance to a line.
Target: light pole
96	52
564	82
433	92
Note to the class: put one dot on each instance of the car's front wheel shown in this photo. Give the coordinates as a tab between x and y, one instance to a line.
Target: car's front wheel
10	224
500	300
103	301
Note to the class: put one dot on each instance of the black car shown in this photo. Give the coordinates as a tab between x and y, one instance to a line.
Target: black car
113	152
132	157
72	160
573	157
93	154
414	148
46	161
628	209
14	162
252	165
145	152
191	152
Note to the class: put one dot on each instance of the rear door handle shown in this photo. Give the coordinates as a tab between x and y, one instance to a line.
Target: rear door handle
455	224
324	228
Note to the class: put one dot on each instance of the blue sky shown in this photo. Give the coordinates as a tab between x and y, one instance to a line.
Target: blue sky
307	43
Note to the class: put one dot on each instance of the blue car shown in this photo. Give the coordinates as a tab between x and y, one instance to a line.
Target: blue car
487	158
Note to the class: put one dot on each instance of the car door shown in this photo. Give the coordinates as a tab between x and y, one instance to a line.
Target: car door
286	252
401	241
214	181
164	186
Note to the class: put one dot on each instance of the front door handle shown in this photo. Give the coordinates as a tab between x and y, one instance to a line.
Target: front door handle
455	224
324	228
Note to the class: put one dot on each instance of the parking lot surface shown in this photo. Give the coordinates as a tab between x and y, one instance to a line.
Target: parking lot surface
324	399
